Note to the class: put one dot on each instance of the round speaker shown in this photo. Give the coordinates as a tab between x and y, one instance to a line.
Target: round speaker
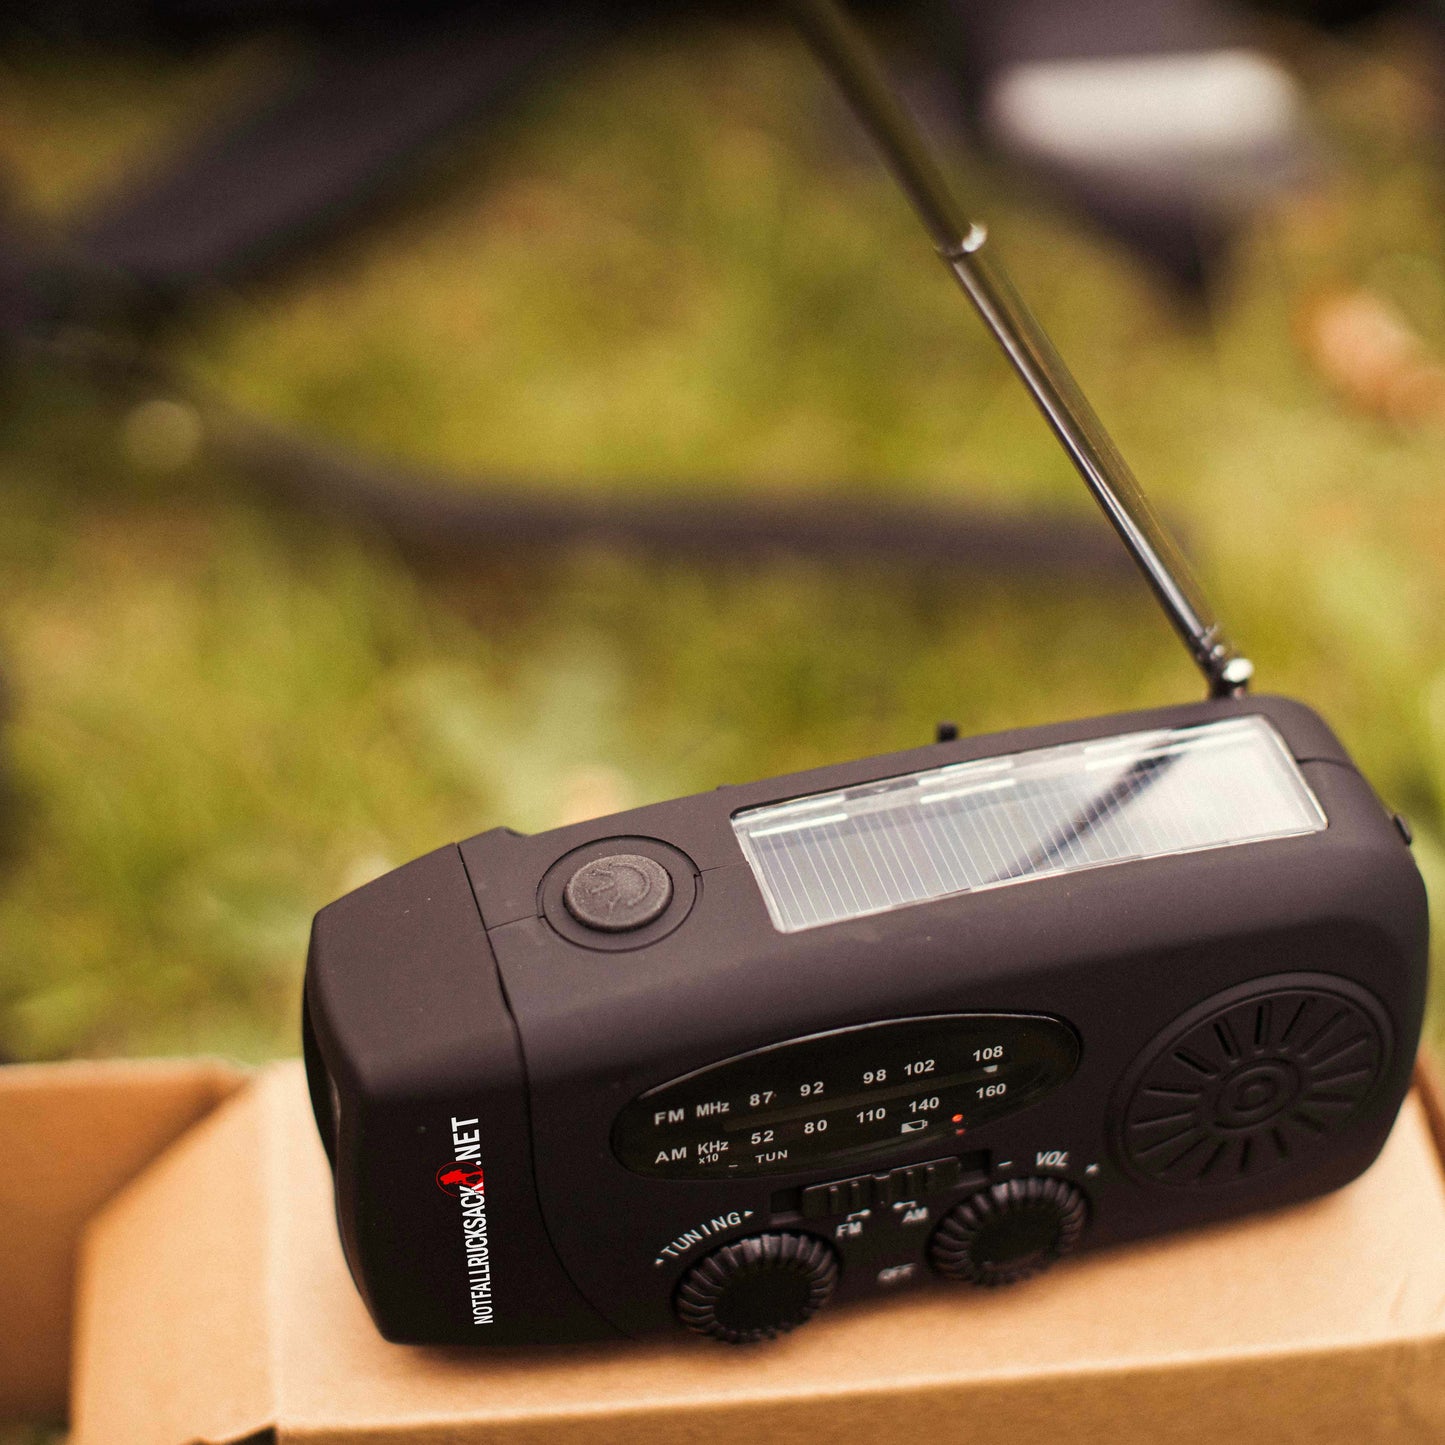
1252	1079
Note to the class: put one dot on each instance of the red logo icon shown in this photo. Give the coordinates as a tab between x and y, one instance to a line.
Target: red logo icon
453	1178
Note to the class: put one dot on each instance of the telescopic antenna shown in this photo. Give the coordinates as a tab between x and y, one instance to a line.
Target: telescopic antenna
962	243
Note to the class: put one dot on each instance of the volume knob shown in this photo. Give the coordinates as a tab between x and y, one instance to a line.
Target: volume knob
1009	1231
757	1288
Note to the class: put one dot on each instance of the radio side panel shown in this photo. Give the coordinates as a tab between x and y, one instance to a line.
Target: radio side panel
418	1084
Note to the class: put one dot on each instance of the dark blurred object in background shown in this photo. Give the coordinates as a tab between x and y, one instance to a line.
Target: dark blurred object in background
1331	14
375	92
259	187
101	20
1155	118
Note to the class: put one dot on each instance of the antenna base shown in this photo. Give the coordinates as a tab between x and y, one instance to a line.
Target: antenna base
1229	676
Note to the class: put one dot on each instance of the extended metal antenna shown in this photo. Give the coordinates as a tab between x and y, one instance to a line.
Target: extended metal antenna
961	242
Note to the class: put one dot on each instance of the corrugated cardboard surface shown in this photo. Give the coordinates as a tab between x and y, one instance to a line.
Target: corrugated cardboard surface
70	1136
216	1305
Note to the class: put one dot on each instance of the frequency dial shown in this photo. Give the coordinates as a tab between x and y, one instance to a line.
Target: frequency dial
1009	1231
757	1288
875	1089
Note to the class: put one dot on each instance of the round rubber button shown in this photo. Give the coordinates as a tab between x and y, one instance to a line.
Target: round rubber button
618	893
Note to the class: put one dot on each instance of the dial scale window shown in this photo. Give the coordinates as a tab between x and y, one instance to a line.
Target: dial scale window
845	1094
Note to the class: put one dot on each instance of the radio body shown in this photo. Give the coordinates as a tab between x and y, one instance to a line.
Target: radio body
943	1014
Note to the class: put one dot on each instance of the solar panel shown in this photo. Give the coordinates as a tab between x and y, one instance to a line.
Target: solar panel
1010	819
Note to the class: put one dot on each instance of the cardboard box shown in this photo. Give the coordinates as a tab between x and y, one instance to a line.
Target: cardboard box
215	1307
71	1135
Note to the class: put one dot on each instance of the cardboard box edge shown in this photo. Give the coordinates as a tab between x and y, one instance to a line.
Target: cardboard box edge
122	1113
245	1109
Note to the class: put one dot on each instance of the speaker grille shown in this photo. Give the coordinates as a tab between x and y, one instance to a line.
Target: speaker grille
1251	1080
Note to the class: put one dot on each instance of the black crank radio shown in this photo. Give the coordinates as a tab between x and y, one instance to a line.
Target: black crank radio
939	1016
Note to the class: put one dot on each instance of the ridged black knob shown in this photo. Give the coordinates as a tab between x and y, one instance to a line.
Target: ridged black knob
1009	1231
757	1288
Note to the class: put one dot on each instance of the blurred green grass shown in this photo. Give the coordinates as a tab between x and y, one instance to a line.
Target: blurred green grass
681	266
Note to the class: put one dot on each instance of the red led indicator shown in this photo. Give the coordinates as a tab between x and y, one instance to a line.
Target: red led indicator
958	1118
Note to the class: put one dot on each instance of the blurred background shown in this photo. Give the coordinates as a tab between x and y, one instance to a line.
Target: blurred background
414	423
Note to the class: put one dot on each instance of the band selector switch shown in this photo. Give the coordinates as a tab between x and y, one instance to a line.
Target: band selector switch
866	1191
844	1196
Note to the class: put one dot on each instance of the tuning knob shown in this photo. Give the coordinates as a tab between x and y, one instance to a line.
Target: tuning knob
757	1288
1009	1231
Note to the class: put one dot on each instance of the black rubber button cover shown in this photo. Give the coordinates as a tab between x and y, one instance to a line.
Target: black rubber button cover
618	893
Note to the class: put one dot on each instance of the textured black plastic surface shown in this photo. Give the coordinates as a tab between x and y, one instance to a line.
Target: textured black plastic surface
1258	1078
758	1288
1006	1233
431	1000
